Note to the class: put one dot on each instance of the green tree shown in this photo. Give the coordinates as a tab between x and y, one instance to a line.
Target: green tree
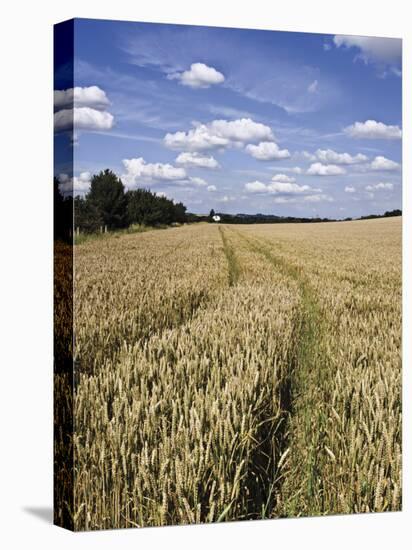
107	196
87	216
179	212
391	213
141	207
147	208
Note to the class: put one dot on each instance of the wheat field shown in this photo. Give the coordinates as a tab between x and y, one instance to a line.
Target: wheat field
235	372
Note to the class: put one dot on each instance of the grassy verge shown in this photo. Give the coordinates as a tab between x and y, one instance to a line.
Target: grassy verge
135	228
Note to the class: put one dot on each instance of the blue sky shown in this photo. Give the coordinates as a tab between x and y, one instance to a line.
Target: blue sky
237	120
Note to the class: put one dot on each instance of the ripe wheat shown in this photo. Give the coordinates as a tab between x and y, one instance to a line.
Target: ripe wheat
237	372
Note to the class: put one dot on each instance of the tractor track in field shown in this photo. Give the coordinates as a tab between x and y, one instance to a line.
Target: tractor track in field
232	263
296	394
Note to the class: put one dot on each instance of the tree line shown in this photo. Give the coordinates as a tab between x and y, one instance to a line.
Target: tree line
263	218
387	214
272	218
108	204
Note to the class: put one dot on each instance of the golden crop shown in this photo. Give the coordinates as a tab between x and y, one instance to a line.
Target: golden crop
237	372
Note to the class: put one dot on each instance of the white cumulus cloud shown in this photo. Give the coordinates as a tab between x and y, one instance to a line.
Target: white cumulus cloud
350	189
256	187
82	118
286	188
196	159
283	178
199	76
319	169
211	188
277	187
267	150
198	182
77	185
306	155
328	156
371	129
90	96
379	186
198	139
218	134
385	51
81	109
138	170
242	130
382	163
322	197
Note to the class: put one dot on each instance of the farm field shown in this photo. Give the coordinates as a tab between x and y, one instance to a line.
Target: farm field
235	372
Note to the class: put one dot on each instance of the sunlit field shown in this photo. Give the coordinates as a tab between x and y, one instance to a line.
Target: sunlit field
235	372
